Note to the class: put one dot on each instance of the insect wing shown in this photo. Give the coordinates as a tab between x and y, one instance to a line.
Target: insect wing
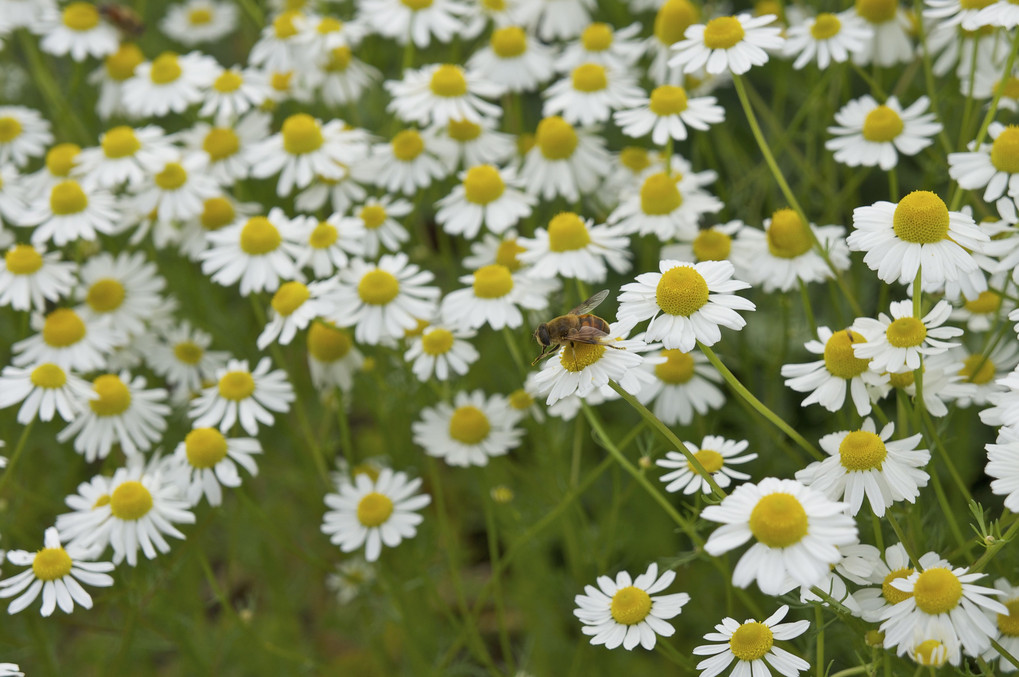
586	334
590	304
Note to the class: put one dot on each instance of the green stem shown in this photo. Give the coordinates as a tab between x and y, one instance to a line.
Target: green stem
893	185
993	549
345	440
953	524
18	449
500	611
1004	653
514	349
902	538
807	309
858	670
42	73
819	622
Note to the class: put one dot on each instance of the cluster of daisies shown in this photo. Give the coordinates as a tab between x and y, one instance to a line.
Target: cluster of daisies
541	211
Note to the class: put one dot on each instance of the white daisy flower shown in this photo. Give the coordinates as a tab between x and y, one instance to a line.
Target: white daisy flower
993	166
572	248
124	155
462	143
864	463
494	297
13	191
195	21
30	277
376	222
243	396
207	460
898	238
716	454
69	340
856	564
734	43
870	134
686	303
513	61
564	161
57	572
233	92
1002	466
556	20
684	383
442	350
330	243
874	601
796	531
138	509
623	612
71	211
293	307
941	602
667	205
438	93
168	83
371	513
713	243
117	69
259	251
78	30
344	78
601	43
752	644
827	38
182	357
895	345
228	148
667	113
333	359
469	432
486	196
60	161
407	164
1002	14
383	300
943	381
44	390
990	380
590	93
945	14
892	26
671	21
479	16
123	291
417	21
284	43
1007	636
350	579
24	134
177	190
340	193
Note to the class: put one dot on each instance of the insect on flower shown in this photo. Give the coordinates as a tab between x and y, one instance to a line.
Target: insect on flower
127	20
576	326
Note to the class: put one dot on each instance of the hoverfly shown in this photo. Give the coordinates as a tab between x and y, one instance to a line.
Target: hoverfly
127	20
576	326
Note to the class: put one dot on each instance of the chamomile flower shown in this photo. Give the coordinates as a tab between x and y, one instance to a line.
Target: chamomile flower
464	143
117	69
68	339
513	60
623	611
59	162
182	357
993	166
891	25
374	512
350	579
284	43
207	460
870	134
590	93
941	601
556	20
667	113
258	252
494	297
340	193
713	243
684	383
876	600
417	22
177	190
783	255
796	530
671	21
330	243
442	350
383	300
603	44
1002	466
24	134
734	43
344	78
30	277
233	92
333	359
43	389
121	411
752	644
667	205
244	396
1002	14
573	248
564	161
862	463
195	21
945	14
990	380
71	211
376	221
898	238
1007	636
827	38
168	83
716	454
895	343
942	382
293	307
686	303
469	432
124	156
12	194
408	163
78	30
228	148
438	93
486	196
57	572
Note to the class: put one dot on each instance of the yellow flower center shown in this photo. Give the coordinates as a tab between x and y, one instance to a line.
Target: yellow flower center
51	564
339	59
437	342
48	376
199	17
580	355
172	177
60	158
482	184
80	16
284	26
712	245
1008	88
494	5
882	125
114	396
906	332
597	37
301	134
930	652
567	232
778	520
678	367
120	142
327	343
862	450
378	287
1009	623
280	81
63	327
492	282
977	369
668	100
373	216
556	138
289	297
448	81
589	77
723	32
630	605
469	425
892	594
221	143
165	69
105	295
839	358
825	26
236	386
751	641
205	447
673	18
374	509
324	235
259	236
635	159
877	11
407	145
681	291
417	5
986	303
788	236
937	591
921	218
520	399
1005	150
216	213
22	259
188	352
228	81
10	129
121	64
329	25
710	459
506	254
130	501
901	380
660	195
509	42
463	130
67	197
